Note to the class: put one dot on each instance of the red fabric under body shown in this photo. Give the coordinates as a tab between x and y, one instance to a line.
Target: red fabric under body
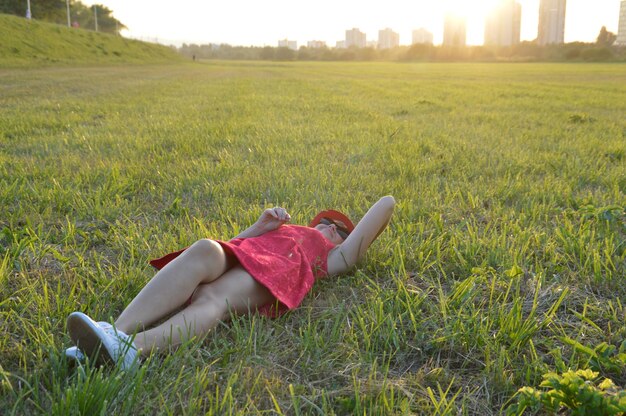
286	261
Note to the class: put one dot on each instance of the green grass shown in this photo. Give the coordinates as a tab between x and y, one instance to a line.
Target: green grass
35	44
505	259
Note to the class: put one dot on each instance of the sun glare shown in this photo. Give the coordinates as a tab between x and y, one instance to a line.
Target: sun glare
474	13
470	10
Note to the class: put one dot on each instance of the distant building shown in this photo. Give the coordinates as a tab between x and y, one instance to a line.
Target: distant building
502	26
621	30
291	44
551	22
341	44
454	31
355	37
422	35
388	39
372	44
316	44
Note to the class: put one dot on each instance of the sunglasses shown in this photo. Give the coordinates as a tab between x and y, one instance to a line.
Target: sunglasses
341	230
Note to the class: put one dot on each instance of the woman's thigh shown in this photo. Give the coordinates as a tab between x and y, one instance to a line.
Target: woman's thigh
235	291
205	259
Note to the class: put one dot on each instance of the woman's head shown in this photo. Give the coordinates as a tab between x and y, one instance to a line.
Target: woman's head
334	225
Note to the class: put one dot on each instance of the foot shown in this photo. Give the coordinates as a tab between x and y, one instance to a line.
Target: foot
100	341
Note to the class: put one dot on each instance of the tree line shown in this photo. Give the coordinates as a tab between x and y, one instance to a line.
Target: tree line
55	11
523	52
602	50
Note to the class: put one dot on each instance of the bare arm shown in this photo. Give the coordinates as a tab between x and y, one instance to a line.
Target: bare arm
346	255
270	219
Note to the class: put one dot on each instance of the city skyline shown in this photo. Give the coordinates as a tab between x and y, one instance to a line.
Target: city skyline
248	23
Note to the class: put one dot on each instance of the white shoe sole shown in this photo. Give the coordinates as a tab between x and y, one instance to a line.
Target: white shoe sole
89	337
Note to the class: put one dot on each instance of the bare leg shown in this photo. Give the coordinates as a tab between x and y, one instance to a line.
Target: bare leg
234	292
172	286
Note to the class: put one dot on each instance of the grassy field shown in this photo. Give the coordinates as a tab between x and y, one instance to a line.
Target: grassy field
35	43
505	259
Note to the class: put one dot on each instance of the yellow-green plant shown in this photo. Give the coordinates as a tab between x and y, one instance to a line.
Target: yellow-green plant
581	392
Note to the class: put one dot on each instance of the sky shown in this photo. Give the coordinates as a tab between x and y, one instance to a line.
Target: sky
260	23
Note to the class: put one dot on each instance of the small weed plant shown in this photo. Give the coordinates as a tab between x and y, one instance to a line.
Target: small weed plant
581	392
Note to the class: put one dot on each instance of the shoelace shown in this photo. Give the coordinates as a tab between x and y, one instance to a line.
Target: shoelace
127	351
119	335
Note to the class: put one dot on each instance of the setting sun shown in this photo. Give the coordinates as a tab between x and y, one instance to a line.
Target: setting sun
470	10
474	14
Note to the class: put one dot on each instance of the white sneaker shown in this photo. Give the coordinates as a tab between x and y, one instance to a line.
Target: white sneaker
93	337
74	354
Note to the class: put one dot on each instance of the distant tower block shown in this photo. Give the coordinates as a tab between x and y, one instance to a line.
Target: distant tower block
388	39
316	44
422	36
621	30
355	37
551	22
502	26
454	31
291	44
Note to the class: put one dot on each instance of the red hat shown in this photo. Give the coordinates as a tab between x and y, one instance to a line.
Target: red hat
336	216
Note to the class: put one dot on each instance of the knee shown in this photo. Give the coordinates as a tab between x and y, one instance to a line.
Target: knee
207	253
205	247
207	297
203	294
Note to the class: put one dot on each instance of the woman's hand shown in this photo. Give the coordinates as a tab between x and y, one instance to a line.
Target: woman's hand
272	218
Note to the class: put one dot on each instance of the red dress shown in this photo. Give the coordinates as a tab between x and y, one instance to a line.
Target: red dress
286	261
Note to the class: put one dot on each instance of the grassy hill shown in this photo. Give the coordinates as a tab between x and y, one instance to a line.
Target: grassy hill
34	43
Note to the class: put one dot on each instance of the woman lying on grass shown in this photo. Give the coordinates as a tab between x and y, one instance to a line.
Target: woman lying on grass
268	268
